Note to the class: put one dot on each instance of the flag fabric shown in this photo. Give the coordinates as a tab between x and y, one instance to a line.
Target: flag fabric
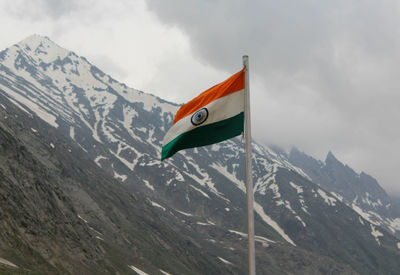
215	115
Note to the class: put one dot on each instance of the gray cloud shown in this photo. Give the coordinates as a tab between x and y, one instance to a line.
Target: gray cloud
37	10
324	73
58	8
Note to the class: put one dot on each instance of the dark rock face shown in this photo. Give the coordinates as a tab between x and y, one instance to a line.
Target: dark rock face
38	221
107	202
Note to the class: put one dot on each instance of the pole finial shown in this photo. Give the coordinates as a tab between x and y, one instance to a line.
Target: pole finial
245	61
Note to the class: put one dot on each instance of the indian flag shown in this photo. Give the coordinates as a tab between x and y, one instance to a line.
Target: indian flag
215	115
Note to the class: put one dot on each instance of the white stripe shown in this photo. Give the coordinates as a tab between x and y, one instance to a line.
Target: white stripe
220	109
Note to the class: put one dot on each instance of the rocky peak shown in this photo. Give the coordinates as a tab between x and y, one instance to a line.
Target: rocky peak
331	159
41	49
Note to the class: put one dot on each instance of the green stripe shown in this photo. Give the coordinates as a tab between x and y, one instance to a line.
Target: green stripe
205	135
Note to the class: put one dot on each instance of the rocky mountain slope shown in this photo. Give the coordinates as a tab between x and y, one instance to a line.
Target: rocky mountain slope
61	214
199	192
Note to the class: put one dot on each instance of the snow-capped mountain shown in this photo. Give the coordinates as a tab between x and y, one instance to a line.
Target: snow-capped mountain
361	192
121	130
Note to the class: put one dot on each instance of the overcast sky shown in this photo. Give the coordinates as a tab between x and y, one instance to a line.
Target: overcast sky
325	75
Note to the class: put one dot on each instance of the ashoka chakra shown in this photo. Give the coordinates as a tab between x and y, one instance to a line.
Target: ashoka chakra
199	117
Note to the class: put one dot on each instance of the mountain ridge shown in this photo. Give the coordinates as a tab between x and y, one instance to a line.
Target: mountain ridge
120	129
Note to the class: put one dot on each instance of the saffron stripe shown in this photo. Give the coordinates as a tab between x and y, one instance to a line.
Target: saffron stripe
230	85
205	135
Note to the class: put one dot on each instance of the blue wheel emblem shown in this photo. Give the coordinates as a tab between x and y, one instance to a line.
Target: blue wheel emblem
199	117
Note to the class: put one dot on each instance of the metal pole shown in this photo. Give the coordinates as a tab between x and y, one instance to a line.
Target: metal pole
249	179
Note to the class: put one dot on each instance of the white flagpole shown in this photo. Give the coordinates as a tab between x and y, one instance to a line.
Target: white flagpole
249	179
